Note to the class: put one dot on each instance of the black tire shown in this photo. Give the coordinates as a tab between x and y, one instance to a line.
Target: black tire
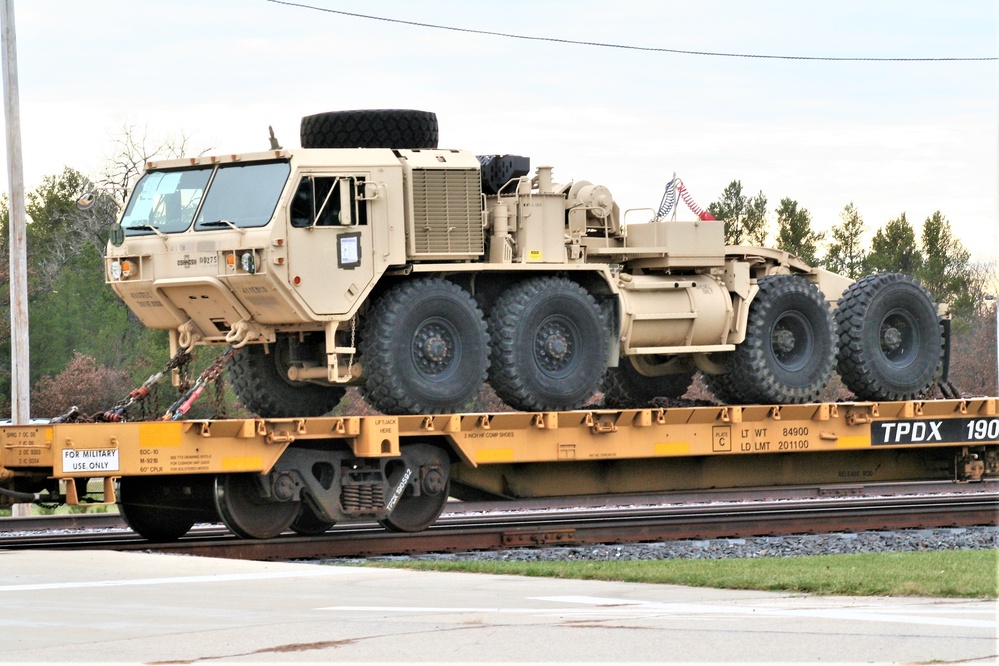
788	354
723	390
259	378
164	508
549	345
891	342
372	128
424	349
625	386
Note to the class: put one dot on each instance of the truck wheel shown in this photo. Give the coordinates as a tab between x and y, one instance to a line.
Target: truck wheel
424	349
260	381
625	386
722	389
890	340
788	353
164	508
372	128
549	345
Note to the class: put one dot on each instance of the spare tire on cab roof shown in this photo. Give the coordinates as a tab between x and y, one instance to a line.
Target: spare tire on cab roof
371	128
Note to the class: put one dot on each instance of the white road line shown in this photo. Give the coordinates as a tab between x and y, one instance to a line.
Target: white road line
582	606
209	578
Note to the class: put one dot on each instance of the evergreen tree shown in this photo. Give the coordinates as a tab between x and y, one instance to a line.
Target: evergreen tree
745	218
894	249
945	271
795	234
846	251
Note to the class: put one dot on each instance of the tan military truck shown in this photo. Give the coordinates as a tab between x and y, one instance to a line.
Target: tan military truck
371	257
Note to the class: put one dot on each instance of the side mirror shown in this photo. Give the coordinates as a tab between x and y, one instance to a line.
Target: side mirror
86	201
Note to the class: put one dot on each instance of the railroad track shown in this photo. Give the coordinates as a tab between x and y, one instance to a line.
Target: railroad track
497	526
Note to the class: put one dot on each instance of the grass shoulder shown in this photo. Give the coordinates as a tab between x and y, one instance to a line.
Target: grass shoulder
963	573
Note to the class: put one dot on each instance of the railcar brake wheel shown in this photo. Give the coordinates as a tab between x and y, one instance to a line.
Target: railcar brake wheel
428	468
246	512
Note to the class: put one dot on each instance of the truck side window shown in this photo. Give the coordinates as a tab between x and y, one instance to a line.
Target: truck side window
318	202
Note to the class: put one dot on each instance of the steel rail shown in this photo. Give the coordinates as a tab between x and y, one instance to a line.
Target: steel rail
503	530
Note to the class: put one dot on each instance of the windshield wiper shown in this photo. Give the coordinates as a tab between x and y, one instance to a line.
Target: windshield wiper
147	227
224	223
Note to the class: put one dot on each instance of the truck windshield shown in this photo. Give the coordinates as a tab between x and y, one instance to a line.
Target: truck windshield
240	195
165	201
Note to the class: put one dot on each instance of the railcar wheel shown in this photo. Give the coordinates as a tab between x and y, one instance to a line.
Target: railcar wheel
788	354
307	523
890	339
424	349
164	508
638	380
428	469
549	344
246	512
259	378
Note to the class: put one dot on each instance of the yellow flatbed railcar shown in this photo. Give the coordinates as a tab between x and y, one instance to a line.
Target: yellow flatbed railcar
262	476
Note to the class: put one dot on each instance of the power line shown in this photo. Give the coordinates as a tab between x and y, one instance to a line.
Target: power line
625	47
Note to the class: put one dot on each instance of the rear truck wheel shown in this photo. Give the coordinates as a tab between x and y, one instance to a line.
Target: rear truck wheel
549	345
638	380
418	488
259	378
891	343
788	354
371	128
722	389
424	349
245	510
307	523
164	508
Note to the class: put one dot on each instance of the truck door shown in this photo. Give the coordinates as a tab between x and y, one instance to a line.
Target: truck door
330	260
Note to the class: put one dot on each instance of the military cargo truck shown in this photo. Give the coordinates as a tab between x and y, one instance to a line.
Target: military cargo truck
371	257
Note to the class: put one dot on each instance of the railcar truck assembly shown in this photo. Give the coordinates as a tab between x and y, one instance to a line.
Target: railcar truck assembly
370	257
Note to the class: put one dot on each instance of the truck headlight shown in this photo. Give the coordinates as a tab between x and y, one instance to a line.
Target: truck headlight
248	262
121	269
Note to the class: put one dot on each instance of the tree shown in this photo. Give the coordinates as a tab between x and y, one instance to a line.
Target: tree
133	147
894	250
945	271
745	219
795	234
846	252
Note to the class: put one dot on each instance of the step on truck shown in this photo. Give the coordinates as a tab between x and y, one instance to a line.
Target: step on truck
371	257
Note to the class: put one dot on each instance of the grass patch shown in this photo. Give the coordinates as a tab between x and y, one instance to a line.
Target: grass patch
962	573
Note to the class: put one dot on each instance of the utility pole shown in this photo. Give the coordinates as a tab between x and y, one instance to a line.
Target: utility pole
19	389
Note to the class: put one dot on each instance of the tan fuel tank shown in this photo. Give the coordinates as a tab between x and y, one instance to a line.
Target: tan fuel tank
661	314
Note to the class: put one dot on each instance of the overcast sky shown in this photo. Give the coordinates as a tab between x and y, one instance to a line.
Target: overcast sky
891	137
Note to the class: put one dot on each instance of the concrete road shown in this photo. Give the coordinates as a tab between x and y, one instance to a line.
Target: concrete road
107	607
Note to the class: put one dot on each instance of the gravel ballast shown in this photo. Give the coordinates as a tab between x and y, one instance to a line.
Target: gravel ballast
900	541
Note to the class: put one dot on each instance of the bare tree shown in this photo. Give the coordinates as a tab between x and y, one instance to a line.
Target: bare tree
132	148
